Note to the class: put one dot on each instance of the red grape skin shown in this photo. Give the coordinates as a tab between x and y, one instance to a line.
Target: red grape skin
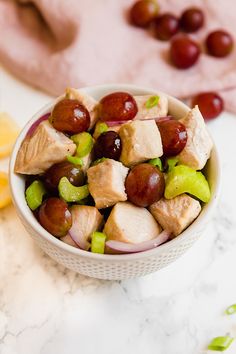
209	103
165	26
142	12
144	185
184	52
219	43
73	172
55	217
192	19
173	135
69	116
118	106
108	145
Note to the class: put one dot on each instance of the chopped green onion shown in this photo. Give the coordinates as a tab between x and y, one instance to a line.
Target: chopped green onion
152	102
231	309
171	163
98	240
220	343
156	162
34	194
84	142
72	193
100	128
75	160
96	162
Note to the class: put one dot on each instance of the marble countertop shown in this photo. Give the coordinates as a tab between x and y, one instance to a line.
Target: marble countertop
47	309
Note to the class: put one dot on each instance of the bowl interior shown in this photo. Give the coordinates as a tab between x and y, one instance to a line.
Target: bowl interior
17	182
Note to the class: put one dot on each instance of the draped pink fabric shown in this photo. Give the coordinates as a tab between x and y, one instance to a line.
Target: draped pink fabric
59	43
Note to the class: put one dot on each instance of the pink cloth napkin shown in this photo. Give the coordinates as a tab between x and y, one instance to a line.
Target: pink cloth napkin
59	43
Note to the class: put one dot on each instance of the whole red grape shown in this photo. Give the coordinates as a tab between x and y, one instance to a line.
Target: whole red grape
192	19
209	103
144	185
53	175
173	135
69	116
219	43
184	52
165	26
55	217
117	106
143	12
108	145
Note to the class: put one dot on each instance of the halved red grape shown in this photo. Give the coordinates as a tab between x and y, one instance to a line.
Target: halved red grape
184	52
144	185
209	103
69	116
173	136
219	43
55	217
73	172
108	145
192	19
165	26
142	12
118	106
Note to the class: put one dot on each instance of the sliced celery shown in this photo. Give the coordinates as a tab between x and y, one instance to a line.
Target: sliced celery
34	194
84	142
75	160
71	193
220	343
100	128
183	179
96	162
98	240
156	162
171	163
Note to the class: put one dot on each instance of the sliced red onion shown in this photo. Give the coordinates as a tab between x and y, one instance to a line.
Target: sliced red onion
120	122
36	124
117	247
68	239
111	123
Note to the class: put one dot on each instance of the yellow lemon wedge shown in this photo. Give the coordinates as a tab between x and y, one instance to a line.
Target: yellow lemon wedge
5	195
8	134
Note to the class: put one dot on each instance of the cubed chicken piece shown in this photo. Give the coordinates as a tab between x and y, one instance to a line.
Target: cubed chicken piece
129	223
43	149
159	110
141	141
85	220
176	214
89	102
106	183
199	144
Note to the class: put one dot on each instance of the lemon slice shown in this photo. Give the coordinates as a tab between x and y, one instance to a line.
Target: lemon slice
8	134
5	195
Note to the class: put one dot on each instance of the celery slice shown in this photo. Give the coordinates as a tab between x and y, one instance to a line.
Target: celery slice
34	194
220	343
71	193
156	162
98	242
84	142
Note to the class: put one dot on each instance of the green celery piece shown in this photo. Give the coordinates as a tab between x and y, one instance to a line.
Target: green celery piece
71	193
84	142
96	162
100	128
75	160
183	179
171	163
156	162
231	309
152	102
34	194
98	240
220	343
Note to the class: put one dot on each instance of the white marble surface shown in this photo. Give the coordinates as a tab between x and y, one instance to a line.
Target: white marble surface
47	309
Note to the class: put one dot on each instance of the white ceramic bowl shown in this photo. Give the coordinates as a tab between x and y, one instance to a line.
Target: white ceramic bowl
113	266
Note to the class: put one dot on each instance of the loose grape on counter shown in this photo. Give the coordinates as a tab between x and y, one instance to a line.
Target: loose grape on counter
115	176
